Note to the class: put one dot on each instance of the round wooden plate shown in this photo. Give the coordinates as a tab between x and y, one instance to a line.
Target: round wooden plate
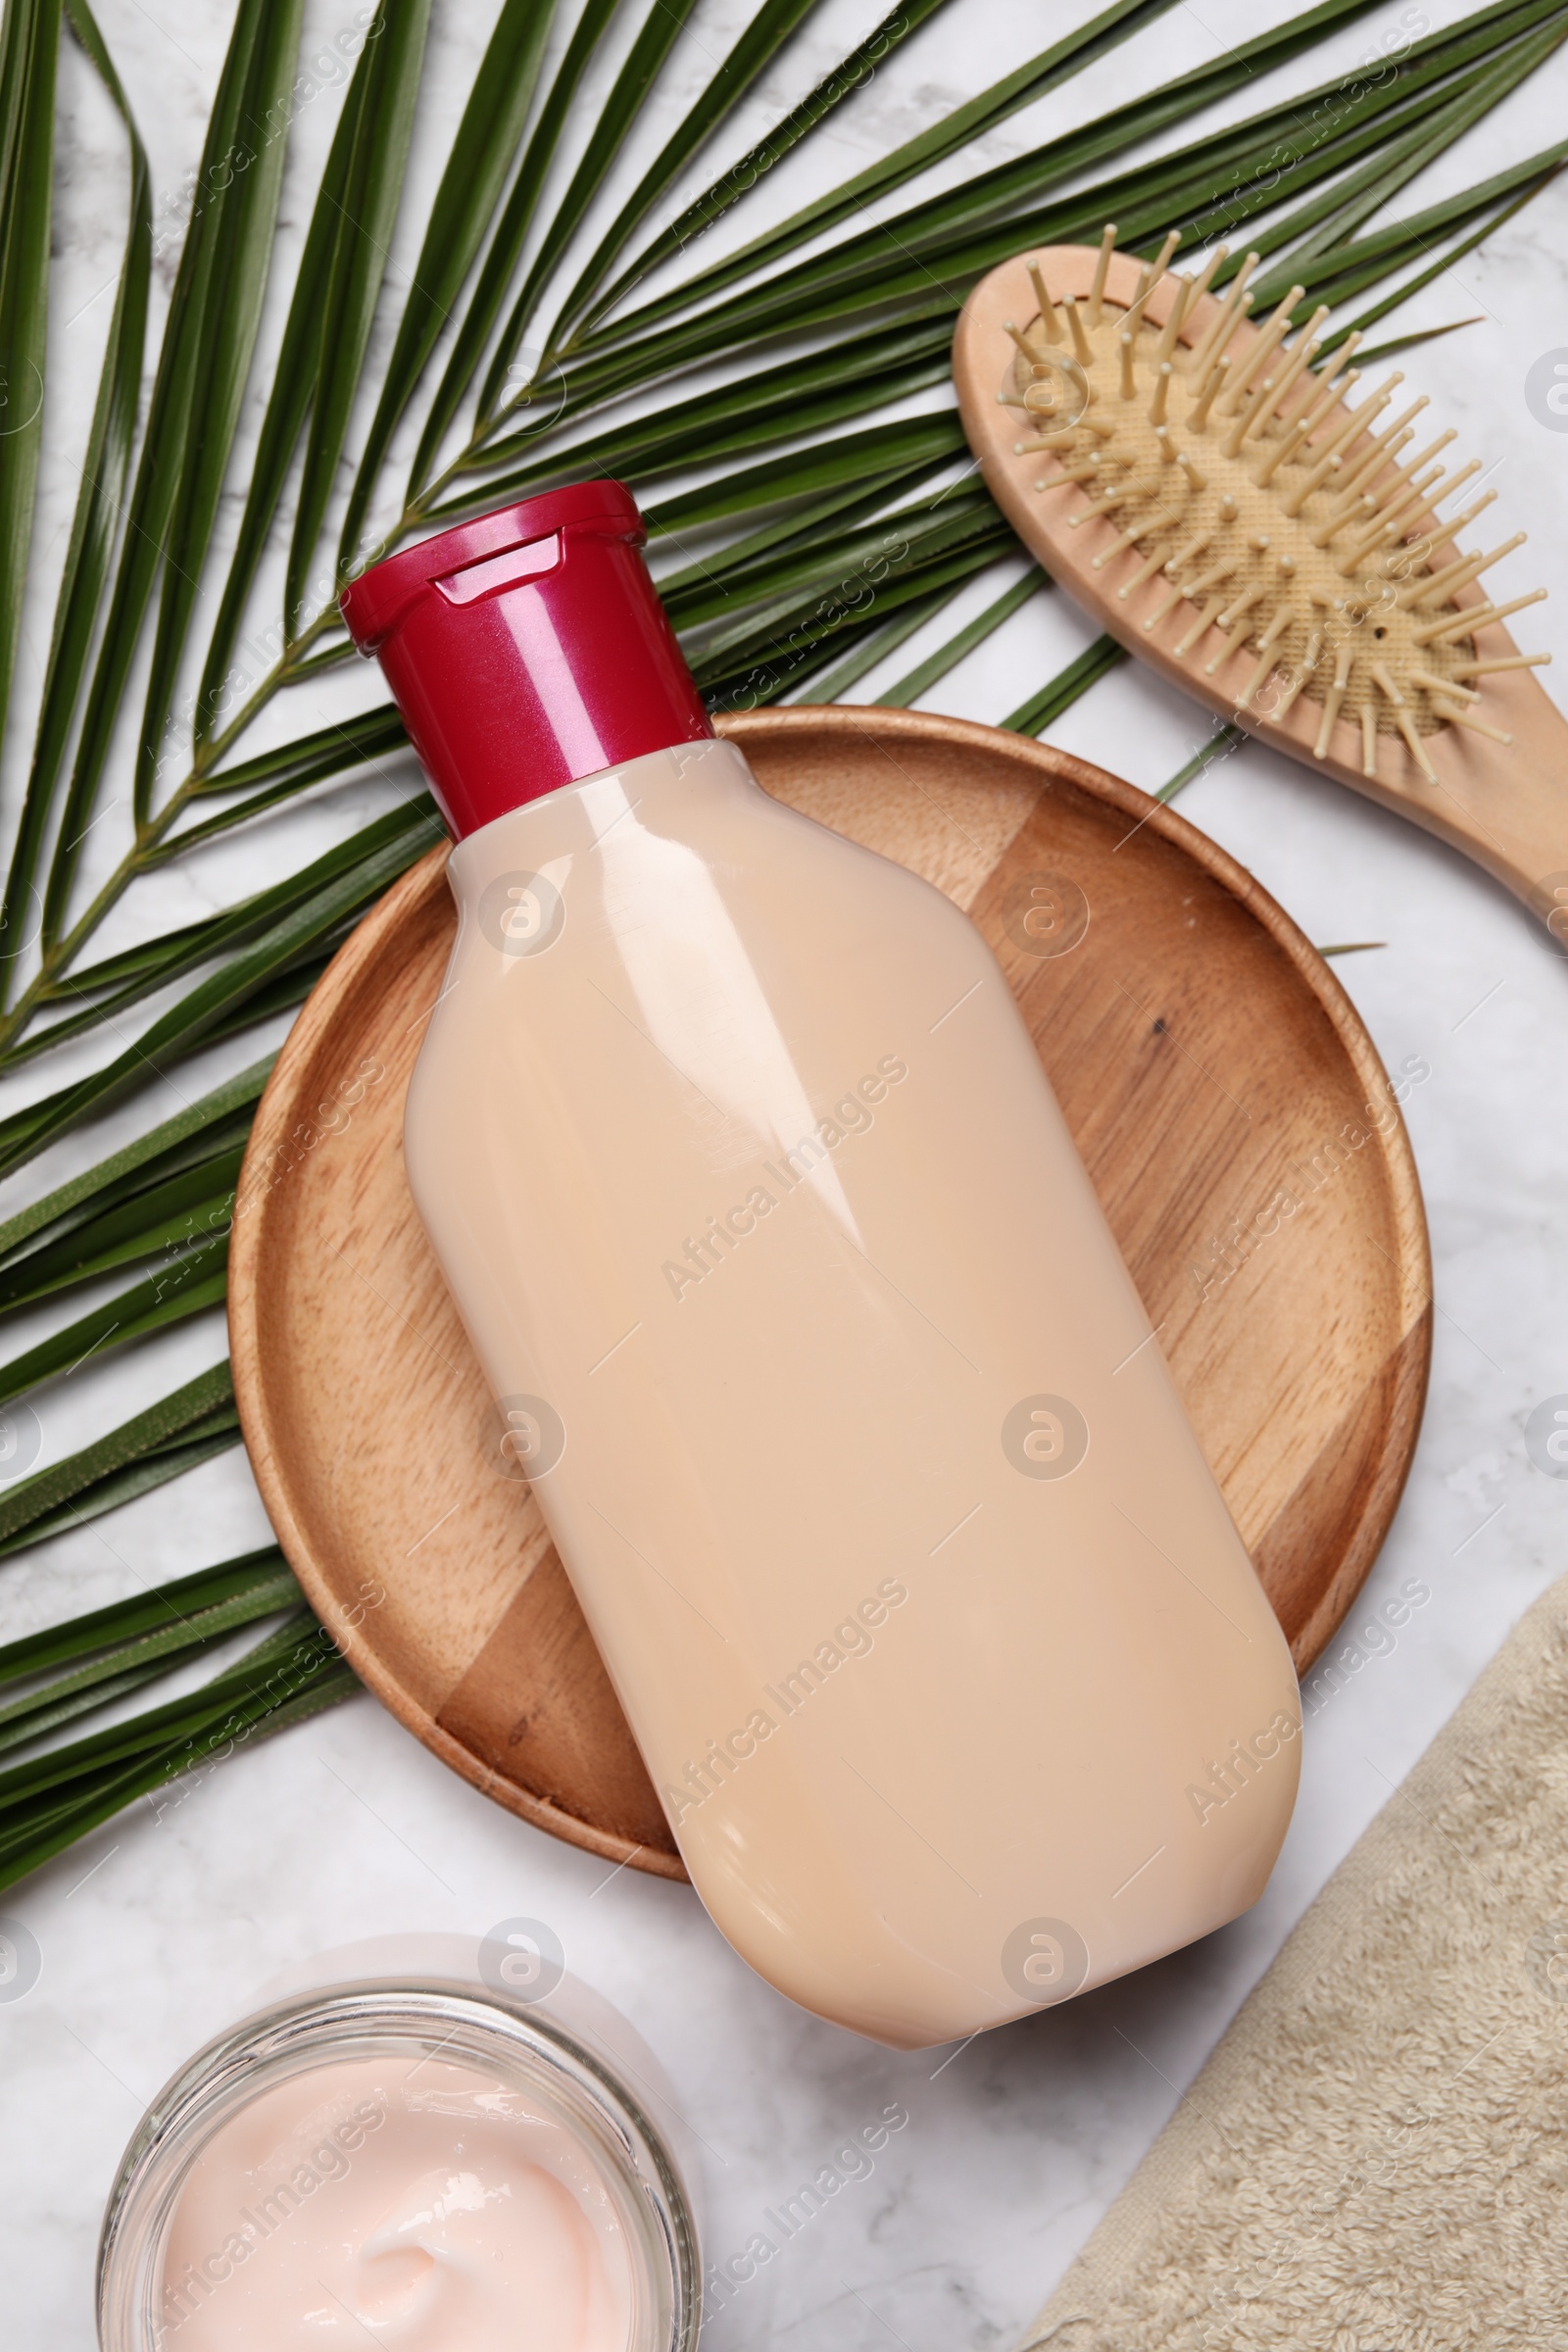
1233	1114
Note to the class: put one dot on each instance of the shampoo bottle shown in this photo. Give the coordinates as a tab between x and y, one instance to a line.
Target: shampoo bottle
802	1315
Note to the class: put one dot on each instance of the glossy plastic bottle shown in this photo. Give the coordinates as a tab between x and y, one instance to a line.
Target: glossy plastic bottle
925	1609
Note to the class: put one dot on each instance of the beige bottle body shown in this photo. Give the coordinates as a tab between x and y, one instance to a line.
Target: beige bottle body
926	1611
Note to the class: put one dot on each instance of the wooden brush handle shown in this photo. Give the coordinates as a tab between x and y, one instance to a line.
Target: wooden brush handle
1504	805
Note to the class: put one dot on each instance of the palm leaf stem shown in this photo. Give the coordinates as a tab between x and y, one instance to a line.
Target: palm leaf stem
194	1415
810	585
106	463
1433	57
926	675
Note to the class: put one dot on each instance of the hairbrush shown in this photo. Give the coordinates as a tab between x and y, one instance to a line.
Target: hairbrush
1210	497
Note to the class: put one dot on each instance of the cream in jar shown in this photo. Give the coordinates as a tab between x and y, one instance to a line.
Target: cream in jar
406	2147
423	2204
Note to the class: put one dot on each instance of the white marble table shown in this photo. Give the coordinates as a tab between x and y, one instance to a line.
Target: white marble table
155	1933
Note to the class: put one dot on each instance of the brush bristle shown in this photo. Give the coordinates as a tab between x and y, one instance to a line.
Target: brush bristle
1239	484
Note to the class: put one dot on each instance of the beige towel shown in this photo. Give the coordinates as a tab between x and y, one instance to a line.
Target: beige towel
1374	2159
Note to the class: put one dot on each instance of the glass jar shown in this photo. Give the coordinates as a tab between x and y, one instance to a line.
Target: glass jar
574	2059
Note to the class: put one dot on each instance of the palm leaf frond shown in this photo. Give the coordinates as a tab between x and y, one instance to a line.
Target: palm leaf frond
482	154
782	414
706	211
317	369
29	46
106	463
195	1422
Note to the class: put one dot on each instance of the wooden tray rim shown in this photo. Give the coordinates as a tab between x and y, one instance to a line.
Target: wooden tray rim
277	1114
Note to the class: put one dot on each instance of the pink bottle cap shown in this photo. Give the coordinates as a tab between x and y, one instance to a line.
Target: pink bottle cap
527	650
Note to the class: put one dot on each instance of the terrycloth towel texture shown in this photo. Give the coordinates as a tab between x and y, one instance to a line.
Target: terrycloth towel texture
1374	2159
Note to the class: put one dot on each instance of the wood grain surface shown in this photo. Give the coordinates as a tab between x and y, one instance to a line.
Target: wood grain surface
1233	1114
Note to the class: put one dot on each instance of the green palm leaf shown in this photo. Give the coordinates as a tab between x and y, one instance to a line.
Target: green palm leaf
347	882
807	509
1123	128
74	1669
317	372
1370	260
924	262
854	459
512	229
929	672
201	1130
470	187
161	1219
850	74
50	1801
1065	687
761	42
1064	59
1333	217
231	253
376	150
829	686
106	464
662	27
179	473
29	46
186	1285
196	1421
802	396
167	1613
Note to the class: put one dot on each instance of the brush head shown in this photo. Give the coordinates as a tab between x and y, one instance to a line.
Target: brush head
1199	482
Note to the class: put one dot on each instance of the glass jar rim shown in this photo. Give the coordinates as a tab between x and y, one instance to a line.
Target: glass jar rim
560	2063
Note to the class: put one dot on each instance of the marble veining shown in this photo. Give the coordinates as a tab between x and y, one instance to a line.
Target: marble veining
156	1931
